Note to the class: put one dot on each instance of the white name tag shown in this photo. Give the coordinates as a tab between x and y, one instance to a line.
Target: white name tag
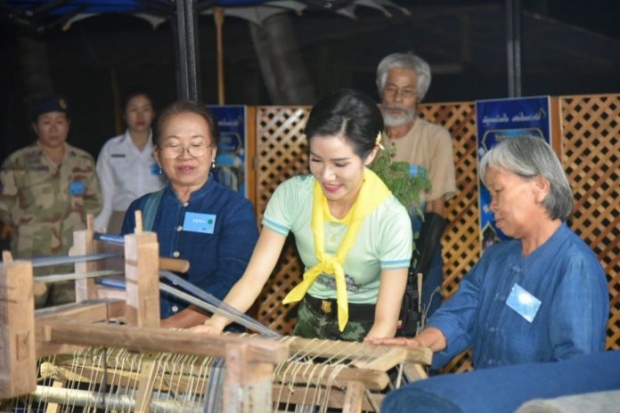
524	303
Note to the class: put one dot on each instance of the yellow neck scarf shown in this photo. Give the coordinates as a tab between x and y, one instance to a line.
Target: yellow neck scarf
372	194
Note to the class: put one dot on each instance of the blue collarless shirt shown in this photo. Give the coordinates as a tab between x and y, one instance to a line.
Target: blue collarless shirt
216	231
565	277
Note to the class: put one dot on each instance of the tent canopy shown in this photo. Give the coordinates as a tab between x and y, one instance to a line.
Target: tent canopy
31	12
40	15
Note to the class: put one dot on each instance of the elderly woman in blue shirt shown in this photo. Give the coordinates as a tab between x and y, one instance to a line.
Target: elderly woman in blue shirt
195	217
539	297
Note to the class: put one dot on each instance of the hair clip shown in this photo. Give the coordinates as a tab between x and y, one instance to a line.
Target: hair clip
378	141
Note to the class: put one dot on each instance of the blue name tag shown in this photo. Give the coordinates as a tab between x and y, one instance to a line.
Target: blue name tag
77	188
524	303
203	223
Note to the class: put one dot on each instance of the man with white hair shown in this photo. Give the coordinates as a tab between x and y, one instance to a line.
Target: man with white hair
403	80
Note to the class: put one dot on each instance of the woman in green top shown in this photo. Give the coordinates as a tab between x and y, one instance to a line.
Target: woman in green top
352	235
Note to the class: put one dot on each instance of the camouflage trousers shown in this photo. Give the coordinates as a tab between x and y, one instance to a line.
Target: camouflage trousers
311	324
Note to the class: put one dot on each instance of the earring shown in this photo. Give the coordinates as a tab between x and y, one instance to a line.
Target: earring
213	164
161	171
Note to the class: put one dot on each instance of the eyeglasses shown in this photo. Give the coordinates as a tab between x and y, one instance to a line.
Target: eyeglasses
405	93
174	151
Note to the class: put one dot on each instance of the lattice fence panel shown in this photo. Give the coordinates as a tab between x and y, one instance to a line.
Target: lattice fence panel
461	242
591	158
281	149
281	153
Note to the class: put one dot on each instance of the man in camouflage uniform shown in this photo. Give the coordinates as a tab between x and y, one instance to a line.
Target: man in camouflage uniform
47	190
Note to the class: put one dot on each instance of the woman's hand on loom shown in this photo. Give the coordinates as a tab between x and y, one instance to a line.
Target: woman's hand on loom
209	327
430	337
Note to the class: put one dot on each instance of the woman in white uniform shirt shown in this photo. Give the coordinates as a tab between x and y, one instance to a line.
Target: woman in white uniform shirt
125	166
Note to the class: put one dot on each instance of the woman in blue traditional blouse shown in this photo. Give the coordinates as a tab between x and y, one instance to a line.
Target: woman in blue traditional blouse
195	217
542	296
353	236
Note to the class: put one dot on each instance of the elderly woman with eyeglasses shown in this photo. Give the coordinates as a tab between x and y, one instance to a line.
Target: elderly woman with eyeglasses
195	217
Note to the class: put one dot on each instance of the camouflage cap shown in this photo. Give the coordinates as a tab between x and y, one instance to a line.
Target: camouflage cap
56	103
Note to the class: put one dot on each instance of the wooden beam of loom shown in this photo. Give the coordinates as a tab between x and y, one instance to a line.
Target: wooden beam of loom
93	311
383	357
156	339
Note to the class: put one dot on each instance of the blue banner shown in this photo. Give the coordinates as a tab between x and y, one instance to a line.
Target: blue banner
230	160
501	119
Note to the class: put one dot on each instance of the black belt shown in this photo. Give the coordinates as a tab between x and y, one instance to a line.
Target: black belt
329	308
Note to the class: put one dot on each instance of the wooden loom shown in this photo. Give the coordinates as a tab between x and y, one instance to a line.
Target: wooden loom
38	368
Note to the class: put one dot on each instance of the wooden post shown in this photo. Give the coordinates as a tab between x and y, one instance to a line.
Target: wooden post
145	389
18	372
219	23
556	126
414	372
83	244
247	382
353	398
142	277
251	162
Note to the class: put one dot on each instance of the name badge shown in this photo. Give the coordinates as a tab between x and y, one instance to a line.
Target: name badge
77	188
203	223
524	303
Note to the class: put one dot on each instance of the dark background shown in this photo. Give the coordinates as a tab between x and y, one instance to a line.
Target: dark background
568	47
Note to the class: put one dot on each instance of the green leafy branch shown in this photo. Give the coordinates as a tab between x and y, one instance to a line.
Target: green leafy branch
396	176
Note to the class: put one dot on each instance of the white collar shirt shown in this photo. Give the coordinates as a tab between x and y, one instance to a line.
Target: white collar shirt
125	174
